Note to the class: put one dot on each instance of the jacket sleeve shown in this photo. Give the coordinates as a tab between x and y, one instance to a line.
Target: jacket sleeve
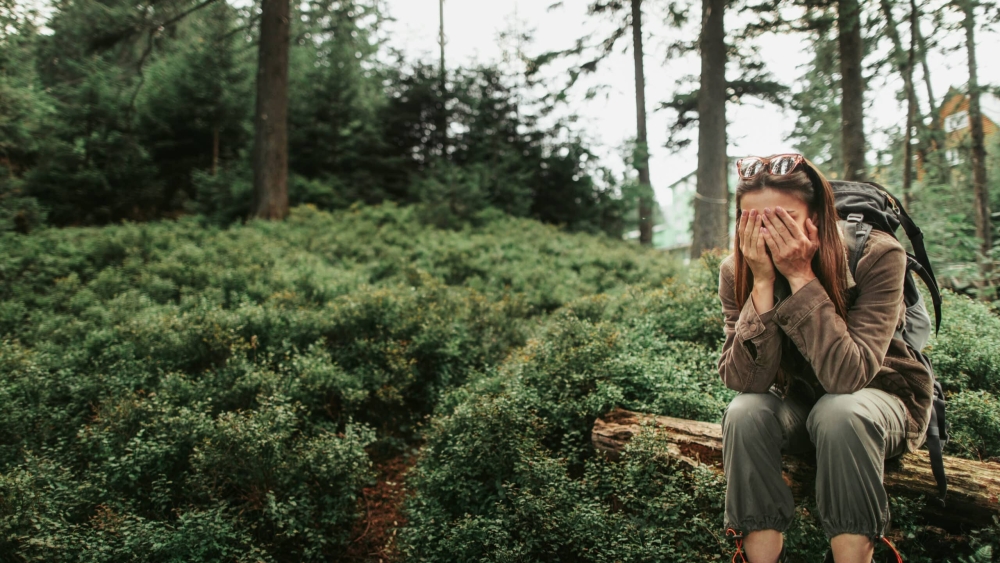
752	350
846	356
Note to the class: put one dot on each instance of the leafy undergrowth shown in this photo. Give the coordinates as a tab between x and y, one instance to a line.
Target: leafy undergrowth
175	392
178	392
508	472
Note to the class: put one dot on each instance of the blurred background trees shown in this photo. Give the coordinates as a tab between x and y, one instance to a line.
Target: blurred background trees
180	381
130	110
123	111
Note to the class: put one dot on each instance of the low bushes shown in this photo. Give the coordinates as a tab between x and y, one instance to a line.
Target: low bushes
508	472
176	392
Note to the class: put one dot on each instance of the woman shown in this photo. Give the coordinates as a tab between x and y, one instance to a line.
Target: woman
811	349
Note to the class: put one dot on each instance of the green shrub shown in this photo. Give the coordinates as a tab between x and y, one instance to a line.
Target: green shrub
966	352
537	492
297	493
643	508
974	425
176	391
180	392
508	469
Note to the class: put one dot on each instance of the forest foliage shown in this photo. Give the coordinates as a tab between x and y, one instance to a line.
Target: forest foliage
172	395
108	116
180	383
114	111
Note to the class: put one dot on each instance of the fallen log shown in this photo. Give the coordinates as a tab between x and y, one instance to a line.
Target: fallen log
973	486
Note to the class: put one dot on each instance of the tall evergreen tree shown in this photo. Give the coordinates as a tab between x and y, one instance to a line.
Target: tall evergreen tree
627	17
442	124
92	167
984	228
852	87
335	115
904	60
24	105
642	147
817	131
192	112
711	212
270	150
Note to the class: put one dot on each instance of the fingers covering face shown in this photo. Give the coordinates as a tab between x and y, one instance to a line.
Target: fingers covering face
789	222
776	231
812	231
747	223
742	229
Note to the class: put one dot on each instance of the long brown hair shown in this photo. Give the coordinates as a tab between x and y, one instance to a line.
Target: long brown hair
829	263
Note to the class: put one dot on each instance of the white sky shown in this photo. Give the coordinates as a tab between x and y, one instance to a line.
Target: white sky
608	120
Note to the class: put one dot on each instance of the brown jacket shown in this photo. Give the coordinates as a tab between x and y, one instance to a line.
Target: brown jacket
804	348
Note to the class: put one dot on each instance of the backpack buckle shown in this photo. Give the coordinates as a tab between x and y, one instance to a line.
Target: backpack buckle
855	217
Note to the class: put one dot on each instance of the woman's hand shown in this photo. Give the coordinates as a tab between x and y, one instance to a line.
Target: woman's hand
753	247
791	248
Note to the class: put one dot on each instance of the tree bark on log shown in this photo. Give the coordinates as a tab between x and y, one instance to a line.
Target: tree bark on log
973	487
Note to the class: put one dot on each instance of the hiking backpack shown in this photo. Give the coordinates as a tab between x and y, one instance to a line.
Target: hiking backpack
866	206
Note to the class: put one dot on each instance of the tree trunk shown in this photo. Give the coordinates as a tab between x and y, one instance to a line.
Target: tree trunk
442	122
922	45
934	135
641	149
983	227
904	64
711	209
270	147
852	87
911	122
973	486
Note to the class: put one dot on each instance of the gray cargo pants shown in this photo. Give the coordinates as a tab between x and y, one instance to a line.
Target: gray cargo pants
851	434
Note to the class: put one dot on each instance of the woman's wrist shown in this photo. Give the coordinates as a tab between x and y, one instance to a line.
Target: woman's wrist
763	295
799	281
764	284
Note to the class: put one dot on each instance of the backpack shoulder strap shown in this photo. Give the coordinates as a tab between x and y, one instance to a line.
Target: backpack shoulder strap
916	237
856	233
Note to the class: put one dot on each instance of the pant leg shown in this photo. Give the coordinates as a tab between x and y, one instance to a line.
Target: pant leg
756	427
853	434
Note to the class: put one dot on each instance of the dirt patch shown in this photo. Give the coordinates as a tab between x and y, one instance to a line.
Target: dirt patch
374	534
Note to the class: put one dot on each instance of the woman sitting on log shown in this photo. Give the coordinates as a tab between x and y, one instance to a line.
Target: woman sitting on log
812	353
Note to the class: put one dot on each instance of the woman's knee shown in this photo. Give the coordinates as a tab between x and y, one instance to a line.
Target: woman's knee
750	411
836	417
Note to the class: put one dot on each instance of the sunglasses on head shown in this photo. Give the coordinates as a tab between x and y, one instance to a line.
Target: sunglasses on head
777	165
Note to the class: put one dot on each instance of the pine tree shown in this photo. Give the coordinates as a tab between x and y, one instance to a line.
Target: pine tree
270	150
192	111
627	18
642	147
335	137
904	60
817	128
984	228
852	89
711	209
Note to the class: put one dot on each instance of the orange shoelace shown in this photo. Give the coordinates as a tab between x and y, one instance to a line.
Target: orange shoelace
899	558
739	545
